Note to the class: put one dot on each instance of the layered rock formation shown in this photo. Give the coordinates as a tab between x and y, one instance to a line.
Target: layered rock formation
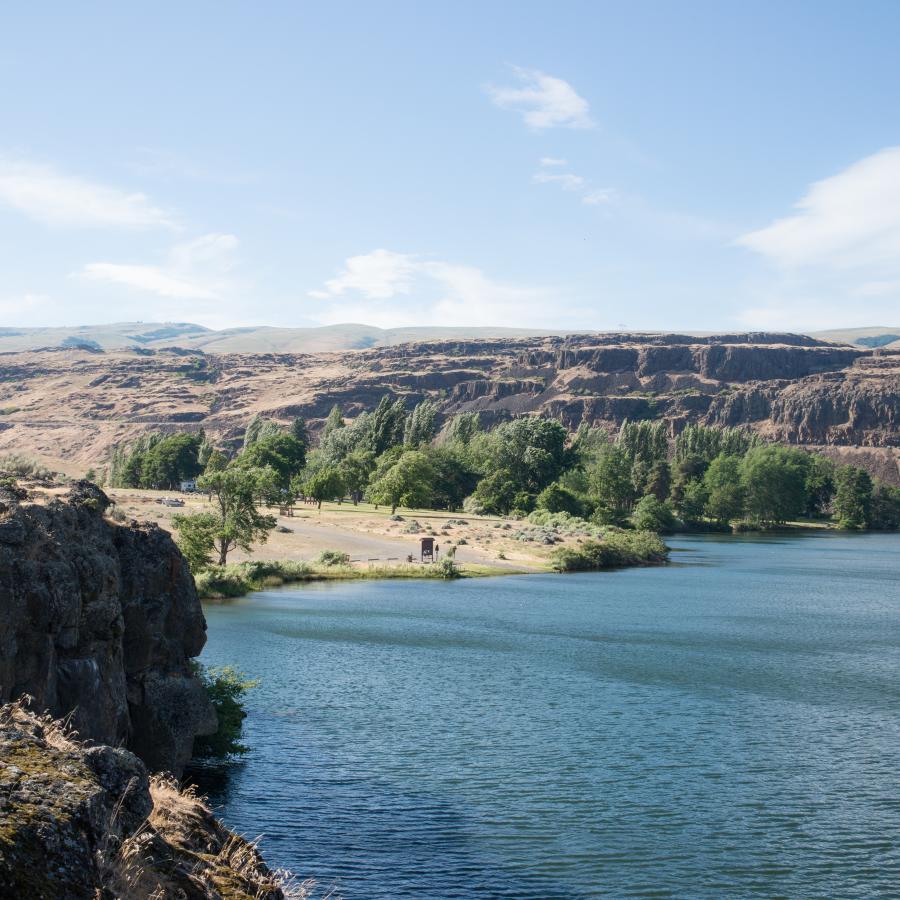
72	406
89	823
99	623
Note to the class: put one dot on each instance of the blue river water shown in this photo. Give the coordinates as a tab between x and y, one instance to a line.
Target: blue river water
726	726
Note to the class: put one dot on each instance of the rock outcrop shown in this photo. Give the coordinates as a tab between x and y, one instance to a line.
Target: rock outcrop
90	823
99	623
73	405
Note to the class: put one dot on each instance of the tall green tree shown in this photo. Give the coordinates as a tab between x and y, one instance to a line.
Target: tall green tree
419	429
282	452
234	522
724	489
408	482
388	422
324	484
611	485
774	480
454	477
852	498
299	431
355	469
885	507
333	421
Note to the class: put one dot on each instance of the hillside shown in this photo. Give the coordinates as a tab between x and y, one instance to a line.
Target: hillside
69	407
348	336
253	339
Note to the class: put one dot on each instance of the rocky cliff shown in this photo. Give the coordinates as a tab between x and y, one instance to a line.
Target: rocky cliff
99	623
69	406
84	822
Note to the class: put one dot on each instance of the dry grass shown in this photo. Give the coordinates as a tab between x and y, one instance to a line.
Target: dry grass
179	850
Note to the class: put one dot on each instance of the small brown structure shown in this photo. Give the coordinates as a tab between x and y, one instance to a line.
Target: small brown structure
427	551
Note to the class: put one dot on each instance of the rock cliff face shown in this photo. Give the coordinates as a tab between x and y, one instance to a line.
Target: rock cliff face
89	823
99	622
73	405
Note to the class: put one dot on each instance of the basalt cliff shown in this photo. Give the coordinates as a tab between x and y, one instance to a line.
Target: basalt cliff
71	406
98	624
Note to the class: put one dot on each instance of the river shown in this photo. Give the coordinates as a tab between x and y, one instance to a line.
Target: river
728	725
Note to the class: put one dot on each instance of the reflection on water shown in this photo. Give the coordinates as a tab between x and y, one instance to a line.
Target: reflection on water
727	726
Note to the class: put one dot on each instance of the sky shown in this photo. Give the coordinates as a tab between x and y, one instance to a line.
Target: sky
633	165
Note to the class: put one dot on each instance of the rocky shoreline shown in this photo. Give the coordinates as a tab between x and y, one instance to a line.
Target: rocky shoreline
101	706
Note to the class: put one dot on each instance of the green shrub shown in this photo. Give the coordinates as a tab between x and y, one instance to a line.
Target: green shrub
225	687
235	580
334	558
23	467
447	568
617	548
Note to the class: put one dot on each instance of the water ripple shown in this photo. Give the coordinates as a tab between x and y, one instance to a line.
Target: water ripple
726	727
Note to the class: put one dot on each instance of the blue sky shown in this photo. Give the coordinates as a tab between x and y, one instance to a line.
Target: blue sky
688	165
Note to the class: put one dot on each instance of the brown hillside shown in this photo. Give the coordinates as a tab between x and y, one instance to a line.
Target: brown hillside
68	407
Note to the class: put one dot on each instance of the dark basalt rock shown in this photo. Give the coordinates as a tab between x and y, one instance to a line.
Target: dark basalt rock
99	622
84	822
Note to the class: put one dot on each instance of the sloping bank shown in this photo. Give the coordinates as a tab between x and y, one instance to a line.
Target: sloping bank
98	624
612	548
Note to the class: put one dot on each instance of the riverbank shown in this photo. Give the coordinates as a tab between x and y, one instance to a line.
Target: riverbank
238	579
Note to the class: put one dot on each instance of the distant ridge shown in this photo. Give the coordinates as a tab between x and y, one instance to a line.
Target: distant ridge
251	339
325	338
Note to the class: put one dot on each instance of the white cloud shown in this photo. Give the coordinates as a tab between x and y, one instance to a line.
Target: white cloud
543	101
571	182
147	278
565	180
53	198
377	275
599	197
195	270
849	220
390	289
838	255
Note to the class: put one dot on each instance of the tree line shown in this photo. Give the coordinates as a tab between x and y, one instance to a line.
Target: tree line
709	478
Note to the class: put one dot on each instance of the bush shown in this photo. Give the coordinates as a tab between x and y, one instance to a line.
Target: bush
334	558
448	568
652	514
617	548
558	499
225	687
23	467
219	582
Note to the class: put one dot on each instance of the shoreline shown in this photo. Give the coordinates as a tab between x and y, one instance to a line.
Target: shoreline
234	583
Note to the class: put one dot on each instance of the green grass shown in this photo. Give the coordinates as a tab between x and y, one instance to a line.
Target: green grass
237	579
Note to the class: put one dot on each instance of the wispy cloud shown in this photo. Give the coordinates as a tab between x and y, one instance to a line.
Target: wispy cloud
168	165
568	181
387	288
22	305
60	200
194	270
542	100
